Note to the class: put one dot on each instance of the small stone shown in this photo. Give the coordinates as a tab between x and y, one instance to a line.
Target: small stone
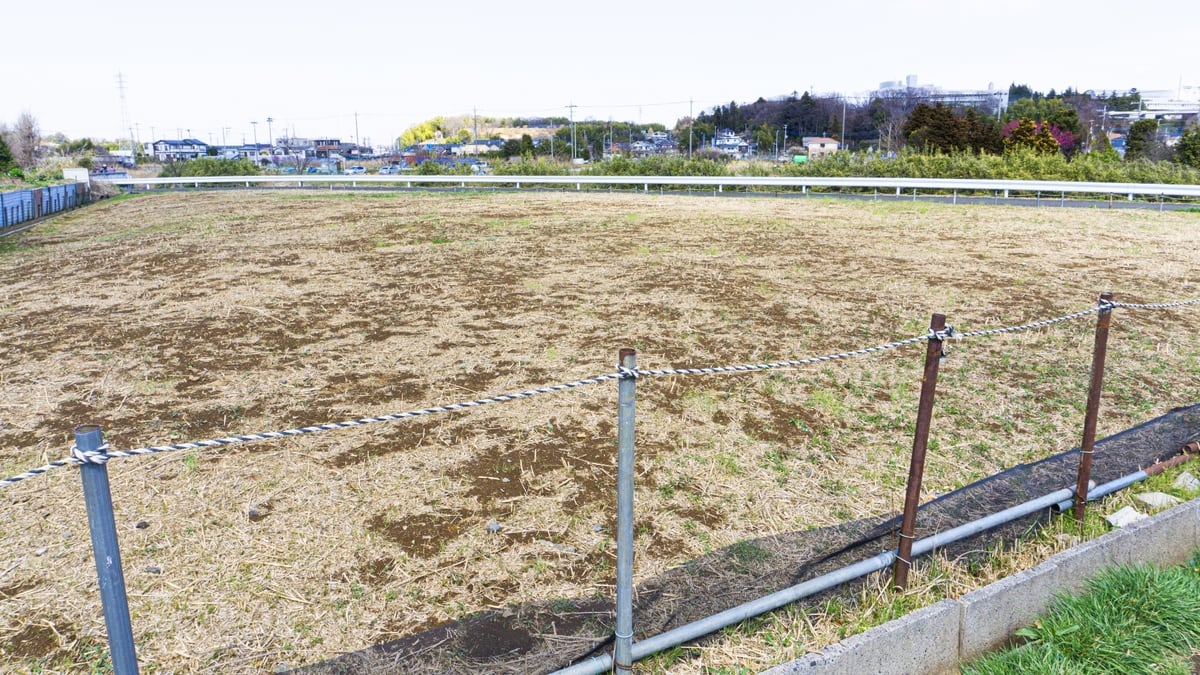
141	525
257	513
152	569
597	528
41	551
1126	516
494	527
1157	500
281	669
1187	482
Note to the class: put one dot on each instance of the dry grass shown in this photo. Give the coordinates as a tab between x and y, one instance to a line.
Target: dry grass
176	317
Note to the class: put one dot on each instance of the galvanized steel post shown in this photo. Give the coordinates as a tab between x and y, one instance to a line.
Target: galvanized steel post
916	466
623	644
1088	447
98	497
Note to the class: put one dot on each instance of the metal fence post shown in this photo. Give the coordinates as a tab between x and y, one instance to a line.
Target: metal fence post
89	445
623	645
916	466
1088	447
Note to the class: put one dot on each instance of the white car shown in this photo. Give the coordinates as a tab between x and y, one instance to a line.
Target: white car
355	170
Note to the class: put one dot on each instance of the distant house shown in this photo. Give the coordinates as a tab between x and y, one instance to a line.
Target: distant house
820	146
729	143
478	146
188	148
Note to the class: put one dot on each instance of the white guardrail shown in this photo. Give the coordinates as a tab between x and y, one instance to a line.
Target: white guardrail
718	183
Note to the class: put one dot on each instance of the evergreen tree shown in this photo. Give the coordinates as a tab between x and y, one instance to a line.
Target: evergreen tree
6	157
1141	141
1187	150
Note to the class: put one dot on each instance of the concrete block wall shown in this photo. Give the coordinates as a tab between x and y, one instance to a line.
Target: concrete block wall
937	638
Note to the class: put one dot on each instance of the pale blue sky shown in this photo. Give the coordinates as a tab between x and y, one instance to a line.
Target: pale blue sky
215	66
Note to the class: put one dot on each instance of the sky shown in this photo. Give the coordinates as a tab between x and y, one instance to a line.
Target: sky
368	70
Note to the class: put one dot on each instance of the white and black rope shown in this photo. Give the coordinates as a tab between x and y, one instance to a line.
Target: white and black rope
1157	305
103	454
1030	326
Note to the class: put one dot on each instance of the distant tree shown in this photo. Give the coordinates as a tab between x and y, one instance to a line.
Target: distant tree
526	145
1142	140
6	156
1018	92
424	131
934	129
511	148
1187	150
209	166
77	146
1132	100
982	135
1029	135
26	136
1062	117
1102	147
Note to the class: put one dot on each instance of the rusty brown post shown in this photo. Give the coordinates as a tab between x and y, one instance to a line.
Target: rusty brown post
916	467
1088	446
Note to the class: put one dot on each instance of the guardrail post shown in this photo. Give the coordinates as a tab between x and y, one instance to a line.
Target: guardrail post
1088	447
98	498
626	387
916	466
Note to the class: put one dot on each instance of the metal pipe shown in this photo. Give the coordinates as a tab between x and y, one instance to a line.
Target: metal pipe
1127	480
627	395
98	498
710	624
916	465
1088	446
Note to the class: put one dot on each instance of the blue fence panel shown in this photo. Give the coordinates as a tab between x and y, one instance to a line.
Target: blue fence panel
18	207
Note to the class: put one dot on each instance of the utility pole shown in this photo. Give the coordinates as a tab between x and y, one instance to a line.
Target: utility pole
474	124
270	133
691	123
356	137
843	146
254	124
572	107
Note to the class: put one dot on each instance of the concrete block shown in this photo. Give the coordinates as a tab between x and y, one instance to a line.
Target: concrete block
925	641
1126	516
990	615
1157	500
1187	482
1167	538
932	640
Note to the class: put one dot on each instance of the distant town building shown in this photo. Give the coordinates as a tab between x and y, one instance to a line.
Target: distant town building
991	100
188	148
820	146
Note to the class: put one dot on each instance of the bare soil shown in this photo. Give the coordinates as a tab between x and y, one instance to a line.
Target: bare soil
179	317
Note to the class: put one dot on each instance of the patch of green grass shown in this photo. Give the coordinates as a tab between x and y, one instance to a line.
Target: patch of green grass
1132	619
746	553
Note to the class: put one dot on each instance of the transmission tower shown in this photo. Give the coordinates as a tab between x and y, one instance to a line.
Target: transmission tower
125	128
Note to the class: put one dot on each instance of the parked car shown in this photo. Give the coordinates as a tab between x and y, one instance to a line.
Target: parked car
390	169
355	170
